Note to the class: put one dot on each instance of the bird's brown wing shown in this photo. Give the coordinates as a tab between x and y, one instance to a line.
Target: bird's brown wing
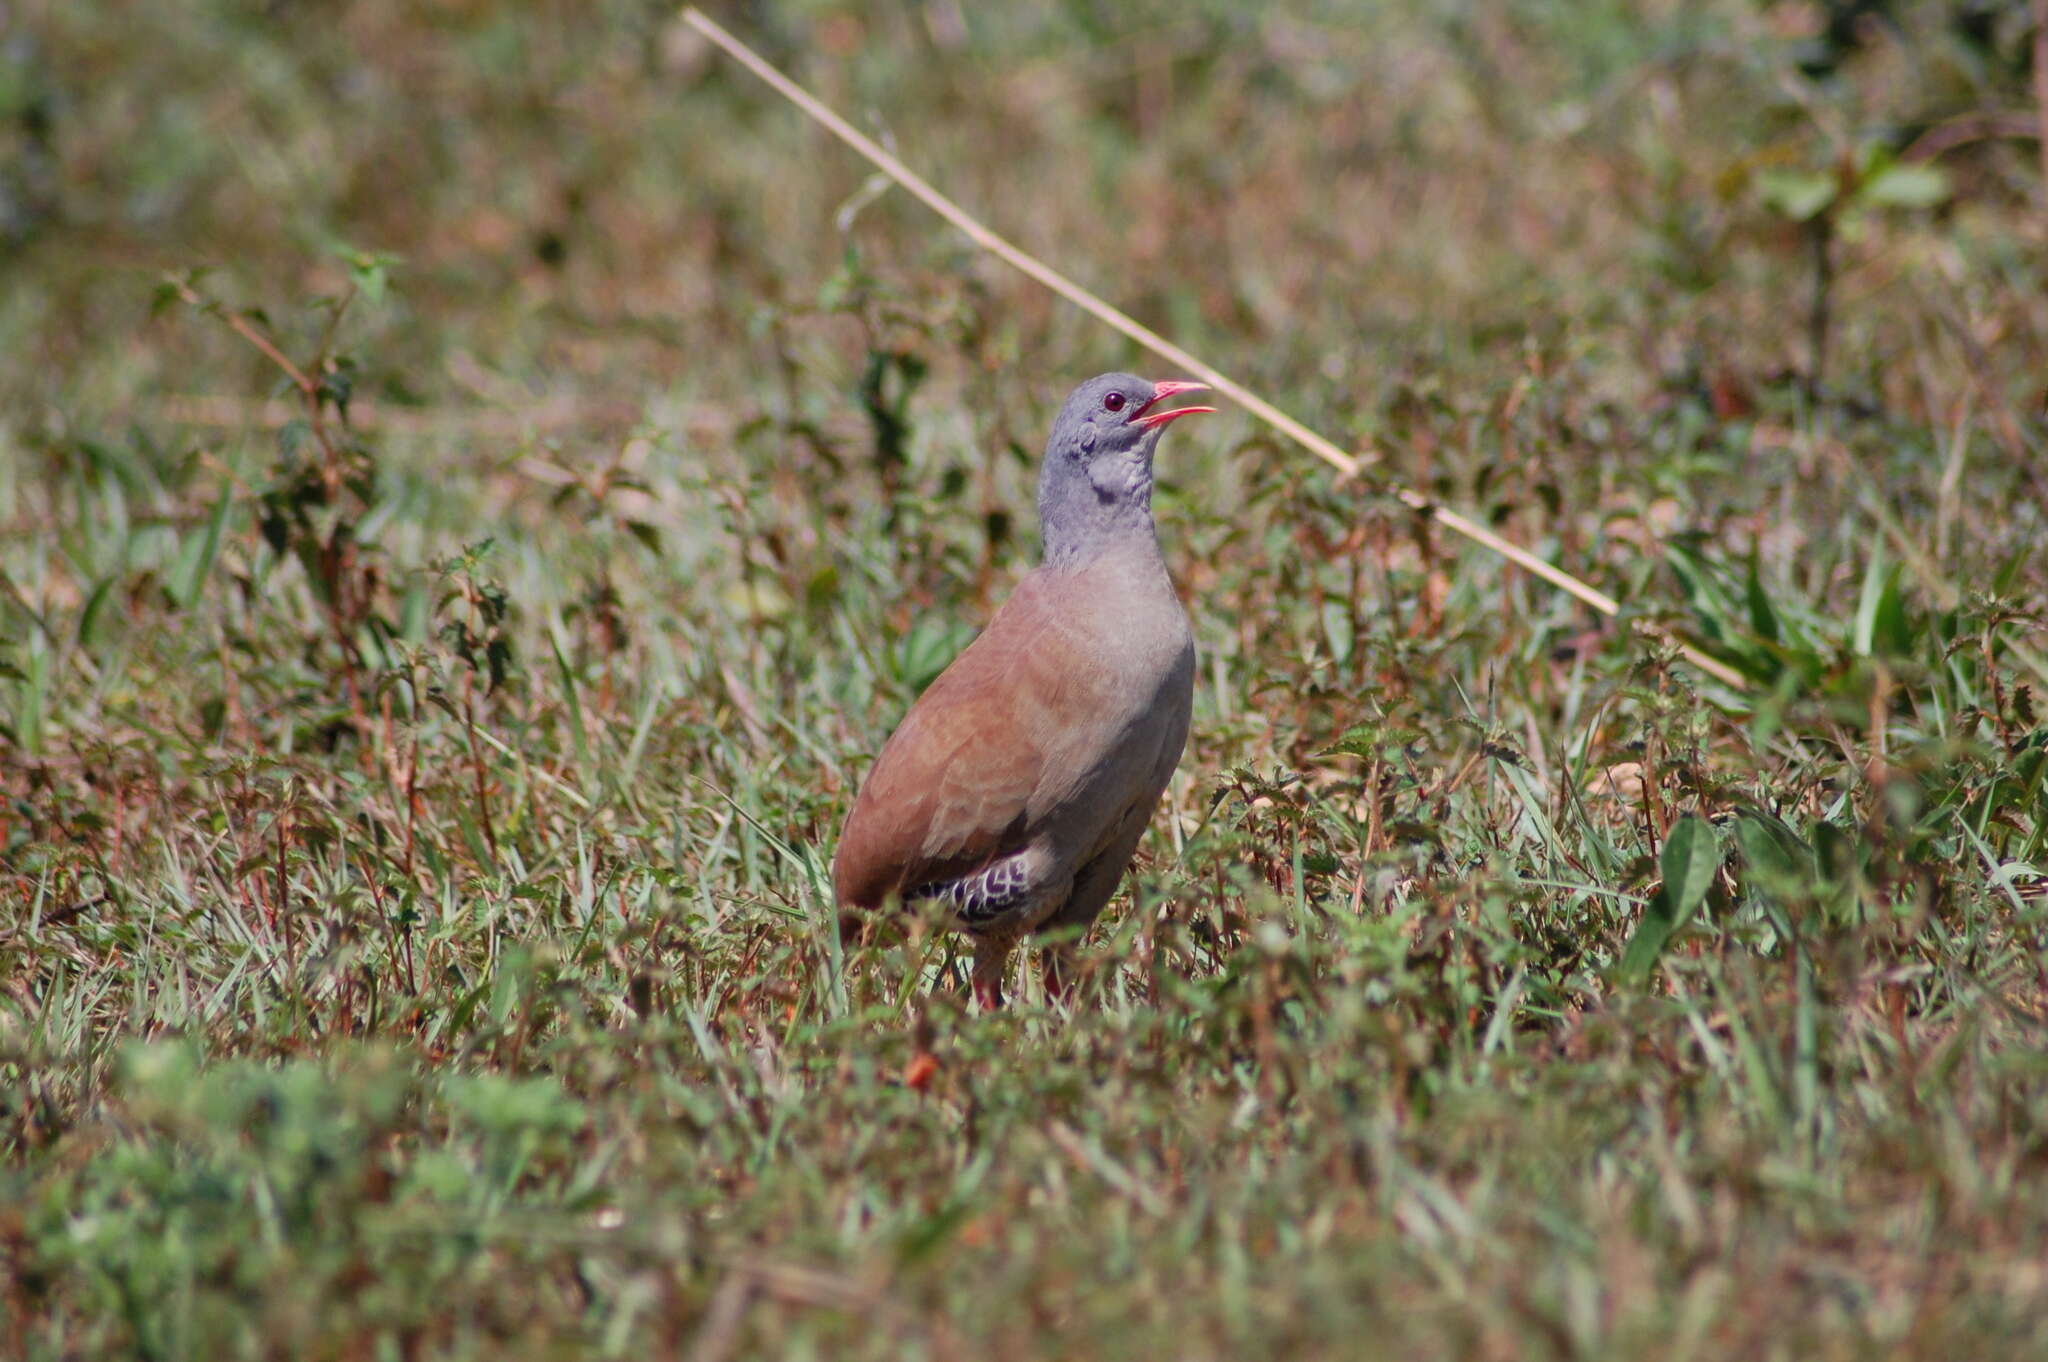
983	753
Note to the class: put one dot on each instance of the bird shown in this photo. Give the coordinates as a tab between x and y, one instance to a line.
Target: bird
1012	796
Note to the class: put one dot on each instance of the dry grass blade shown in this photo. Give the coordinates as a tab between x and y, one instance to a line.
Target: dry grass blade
1346	464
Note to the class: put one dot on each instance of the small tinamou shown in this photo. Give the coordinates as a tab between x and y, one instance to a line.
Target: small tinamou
1016	789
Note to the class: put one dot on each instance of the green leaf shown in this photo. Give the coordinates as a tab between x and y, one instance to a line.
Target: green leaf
1691	857
1778	866
646	534
1903	185
291	438
1769	846
1762	616
369	271
1658	923
1881	625
1370	740
1800	195
498	659
337	387
1338	631
1534	804
197	553
89	618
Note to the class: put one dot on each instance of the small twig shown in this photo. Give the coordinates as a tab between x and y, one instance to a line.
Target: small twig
476	762
1347	465
281	917
249	332
1978	126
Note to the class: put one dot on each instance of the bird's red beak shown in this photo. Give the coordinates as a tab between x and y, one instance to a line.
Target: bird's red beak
1145	416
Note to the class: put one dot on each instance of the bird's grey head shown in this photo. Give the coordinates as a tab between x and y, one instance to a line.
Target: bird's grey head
1095	489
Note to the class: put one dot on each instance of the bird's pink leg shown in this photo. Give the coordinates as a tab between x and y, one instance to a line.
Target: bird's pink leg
991	958
1056	971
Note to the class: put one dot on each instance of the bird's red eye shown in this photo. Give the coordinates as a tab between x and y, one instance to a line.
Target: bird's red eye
1114	402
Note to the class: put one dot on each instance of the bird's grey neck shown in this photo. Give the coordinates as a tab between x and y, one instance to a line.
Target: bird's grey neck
1081	522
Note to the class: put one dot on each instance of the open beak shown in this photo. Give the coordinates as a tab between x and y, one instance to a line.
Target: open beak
1146	416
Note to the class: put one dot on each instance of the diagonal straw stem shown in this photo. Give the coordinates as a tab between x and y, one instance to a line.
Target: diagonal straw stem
1347	465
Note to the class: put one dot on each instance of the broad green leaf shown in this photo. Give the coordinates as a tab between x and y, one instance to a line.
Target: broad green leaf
1691	855
1658	923
1770	847
1690	858
1800	195
1892	632
197	553
1762	616
1899	185
89	618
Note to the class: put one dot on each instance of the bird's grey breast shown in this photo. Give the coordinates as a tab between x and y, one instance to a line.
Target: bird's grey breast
1128	622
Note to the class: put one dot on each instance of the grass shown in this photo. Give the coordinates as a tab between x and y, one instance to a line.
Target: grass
418	781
